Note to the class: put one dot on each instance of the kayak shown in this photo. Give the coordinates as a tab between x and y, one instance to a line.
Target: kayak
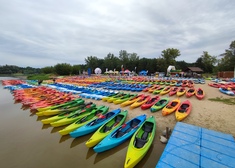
107	128
131	100
162	102
158	90
181	91
190	84
173	91
58	106
75	116
120	134
171	107
141	101
140	142
190	92
111	99
183	110
165	90
226	91
124	98
150	103
154	87
68	108
109	96
200	93
84	120
184	83
64	114
94	124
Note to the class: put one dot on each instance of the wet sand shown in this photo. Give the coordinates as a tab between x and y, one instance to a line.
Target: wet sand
26	142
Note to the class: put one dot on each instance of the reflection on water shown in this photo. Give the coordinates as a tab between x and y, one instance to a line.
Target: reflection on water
80	140
23	107
90	152
56	129
37	148
40	117
64	138
46	126
103	155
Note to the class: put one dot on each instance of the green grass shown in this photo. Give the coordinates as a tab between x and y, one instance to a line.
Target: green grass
38	77
230	101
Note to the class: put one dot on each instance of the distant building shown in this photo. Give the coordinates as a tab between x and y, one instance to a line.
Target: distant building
193	72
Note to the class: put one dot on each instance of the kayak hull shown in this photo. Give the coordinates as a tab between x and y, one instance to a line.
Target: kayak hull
94	124
171	107
107	128
183	110
140	142
120	134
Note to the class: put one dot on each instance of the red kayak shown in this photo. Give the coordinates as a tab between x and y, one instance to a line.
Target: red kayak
190	92
200	94
150	103
173	91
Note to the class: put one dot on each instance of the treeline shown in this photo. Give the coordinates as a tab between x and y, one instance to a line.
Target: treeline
12	69
133	62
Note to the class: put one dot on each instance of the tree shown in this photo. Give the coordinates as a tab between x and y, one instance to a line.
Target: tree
92	62
226	63
206	62
181	65
169	55
76	69
63	69
48	69
111	62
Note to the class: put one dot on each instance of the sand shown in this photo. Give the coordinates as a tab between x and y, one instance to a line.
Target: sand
26	142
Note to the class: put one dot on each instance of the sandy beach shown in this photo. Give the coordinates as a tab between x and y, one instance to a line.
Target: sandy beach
26	142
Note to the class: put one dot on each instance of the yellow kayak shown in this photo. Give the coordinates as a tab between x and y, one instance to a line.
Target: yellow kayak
75	116
131	100
171	107
64	114
181	91
140	142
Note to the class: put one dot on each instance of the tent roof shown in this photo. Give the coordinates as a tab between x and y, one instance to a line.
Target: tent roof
194	69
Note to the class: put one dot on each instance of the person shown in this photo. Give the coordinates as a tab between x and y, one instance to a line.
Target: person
54	80
40	82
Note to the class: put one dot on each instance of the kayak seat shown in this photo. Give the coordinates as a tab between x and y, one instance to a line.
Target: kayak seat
200	92
107	128
109	115
118	119
119	134
174	104
139	143
147	129
133	124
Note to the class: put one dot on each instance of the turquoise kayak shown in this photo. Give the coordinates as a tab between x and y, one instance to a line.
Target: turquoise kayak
120	134
94	124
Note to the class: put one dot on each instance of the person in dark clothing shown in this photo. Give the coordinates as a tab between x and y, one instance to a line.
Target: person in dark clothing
54	80
40	82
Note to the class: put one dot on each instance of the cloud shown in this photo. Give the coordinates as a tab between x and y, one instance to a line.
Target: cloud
45	33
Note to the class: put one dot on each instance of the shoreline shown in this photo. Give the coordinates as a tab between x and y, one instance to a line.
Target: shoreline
32	144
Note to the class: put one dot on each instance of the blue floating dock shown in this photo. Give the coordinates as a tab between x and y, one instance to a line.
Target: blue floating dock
193	147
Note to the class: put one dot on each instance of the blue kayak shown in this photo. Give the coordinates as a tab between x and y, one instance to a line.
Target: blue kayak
94	124
226	91
120	134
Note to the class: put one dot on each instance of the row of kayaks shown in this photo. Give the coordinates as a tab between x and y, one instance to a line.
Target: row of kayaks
109	129
121	97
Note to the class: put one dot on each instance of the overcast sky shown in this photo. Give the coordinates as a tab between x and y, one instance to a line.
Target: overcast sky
41	33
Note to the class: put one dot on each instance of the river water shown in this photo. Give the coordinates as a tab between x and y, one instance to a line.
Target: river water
27	143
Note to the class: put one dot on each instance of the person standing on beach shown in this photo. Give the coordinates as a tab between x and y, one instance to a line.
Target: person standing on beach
40	82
